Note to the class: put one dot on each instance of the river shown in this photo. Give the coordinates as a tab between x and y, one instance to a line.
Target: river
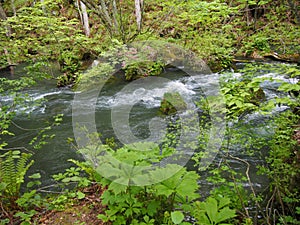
52	158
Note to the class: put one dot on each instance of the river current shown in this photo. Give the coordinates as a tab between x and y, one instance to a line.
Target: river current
52	158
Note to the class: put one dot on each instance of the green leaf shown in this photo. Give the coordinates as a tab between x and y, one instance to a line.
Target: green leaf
103	217
162	174
211	207
223	201
25	223
32	183
152	207
80	195
66	180
35	176
108	170
2	186
164	190
177	217
225	214
188	185
117	188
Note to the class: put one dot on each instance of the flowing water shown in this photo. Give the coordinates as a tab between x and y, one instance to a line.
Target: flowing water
52	158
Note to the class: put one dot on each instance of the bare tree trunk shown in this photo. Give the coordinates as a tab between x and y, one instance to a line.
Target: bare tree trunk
77	4
110	13
138	13
103	9
12	2
115	14
85	19
8	34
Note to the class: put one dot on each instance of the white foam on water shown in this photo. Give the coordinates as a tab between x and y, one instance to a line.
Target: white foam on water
150	98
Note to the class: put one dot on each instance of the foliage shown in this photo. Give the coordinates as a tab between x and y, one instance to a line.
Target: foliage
215	30
282	169
243	92
13	167
168	199
282	166
43	135
257	43
43	33
213	211
25	217
116	17
242	95
133	204
136	193
16	161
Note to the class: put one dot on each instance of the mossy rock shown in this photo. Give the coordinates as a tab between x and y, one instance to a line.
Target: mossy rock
257	96
143	69
172	103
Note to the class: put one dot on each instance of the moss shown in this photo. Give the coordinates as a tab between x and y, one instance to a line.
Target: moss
143	69
171	103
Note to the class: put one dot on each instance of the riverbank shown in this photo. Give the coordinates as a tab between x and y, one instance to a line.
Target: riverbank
216	32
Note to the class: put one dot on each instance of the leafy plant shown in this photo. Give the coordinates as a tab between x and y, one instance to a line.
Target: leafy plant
14	165
133	203
242	96
213	211
26	216
283	169
136	194
13	168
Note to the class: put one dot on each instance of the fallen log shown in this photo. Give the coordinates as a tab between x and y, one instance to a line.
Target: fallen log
294	58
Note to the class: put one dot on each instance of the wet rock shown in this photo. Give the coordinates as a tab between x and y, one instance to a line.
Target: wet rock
171	103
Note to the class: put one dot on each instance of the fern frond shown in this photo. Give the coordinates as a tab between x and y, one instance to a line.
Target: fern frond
13	167
8	173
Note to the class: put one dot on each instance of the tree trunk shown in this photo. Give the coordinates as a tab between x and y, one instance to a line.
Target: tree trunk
8	34
12	2
138	13
115	15
110	13
85	19
4	17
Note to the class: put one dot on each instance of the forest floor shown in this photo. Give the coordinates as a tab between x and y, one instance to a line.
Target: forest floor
84	211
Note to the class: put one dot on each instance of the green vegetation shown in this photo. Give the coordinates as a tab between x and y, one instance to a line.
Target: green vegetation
124	187
216	31
12	173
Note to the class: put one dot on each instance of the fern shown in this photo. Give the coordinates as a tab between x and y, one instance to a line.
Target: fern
13	167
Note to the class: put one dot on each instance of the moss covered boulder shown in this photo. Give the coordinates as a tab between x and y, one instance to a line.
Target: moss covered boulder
143	69
172	103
